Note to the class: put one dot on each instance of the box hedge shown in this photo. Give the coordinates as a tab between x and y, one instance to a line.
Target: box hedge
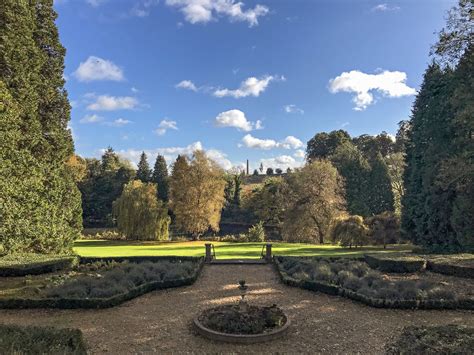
22	265
16	339
400	263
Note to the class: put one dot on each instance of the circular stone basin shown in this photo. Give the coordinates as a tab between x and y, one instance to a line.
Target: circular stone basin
230	323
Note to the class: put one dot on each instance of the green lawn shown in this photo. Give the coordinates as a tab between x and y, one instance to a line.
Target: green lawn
103	248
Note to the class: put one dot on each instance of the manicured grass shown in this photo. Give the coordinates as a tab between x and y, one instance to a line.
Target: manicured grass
107	248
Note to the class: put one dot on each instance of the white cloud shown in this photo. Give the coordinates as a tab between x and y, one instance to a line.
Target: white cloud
187	85
166	125
388	83
293	109
134	90
299	153
119	122
204	11
95	68
171	153
95	3
252	142
385	7
91	119
142	8
282	161
220	158
289	142
250	87
237	119
112	103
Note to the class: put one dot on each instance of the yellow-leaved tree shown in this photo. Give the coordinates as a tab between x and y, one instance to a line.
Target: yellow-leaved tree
140	215
314	198
197	194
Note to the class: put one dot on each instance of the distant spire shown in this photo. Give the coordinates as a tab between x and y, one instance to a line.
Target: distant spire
248	173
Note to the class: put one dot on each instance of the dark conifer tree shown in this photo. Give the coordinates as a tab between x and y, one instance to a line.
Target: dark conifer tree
380	193
45	200
143	171
161	178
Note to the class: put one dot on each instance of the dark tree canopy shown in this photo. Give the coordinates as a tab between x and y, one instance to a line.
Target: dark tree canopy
323	144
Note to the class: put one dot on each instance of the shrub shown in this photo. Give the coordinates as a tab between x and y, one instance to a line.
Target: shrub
256	233
384	228
403	263
34	264
350	231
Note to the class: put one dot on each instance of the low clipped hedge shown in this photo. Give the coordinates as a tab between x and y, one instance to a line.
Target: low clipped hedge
401	263
447	339
336	290
40	340
451	269
32	264
460	265
106	302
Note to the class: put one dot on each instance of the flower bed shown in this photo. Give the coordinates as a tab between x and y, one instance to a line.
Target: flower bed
355	280
40	340
107	284
448	339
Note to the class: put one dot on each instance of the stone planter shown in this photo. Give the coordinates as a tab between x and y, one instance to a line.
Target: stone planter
241	338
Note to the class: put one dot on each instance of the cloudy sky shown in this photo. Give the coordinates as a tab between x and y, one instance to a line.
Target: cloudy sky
240	79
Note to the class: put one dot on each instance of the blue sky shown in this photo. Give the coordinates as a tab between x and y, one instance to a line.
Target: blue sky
252	80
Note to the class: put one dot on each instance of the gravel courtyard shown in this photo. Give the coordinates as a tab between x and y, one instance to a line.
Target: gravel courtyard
161	321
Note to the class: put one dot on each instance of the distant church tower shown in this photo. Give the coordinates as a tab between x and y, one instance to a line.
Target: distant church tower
248	167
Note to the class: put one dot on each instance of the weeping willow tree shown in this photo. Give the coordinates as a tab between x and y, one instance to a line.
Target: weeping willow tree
140	215
350	231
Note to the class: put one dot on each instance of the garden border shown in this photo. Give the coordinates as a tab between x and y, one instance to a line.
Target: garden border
88	303
467	304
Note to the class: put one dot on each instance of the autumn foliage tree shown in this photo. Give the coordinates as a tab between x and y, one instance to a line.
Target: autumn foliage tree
315	197
140	215
197	194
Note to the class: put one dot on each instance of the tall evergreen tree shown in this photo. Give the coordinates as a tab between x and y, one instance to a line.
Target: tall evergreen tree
161	178
355	170
31	66
427	206
144	171
380	193
323	144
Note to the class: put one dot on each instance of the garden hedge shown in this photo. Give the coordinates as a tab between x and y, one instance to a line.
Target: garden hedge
36	268
450	269
70	303
396	263
445	339
40	340
335	290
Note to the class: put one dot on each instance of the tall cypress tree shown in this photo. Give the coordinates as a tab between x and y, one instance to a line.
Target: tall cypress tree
160	177
143	171
380	191
47	217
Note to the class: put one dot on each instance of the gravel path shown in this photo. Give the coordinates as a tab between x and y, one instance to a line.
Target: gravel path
161	321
